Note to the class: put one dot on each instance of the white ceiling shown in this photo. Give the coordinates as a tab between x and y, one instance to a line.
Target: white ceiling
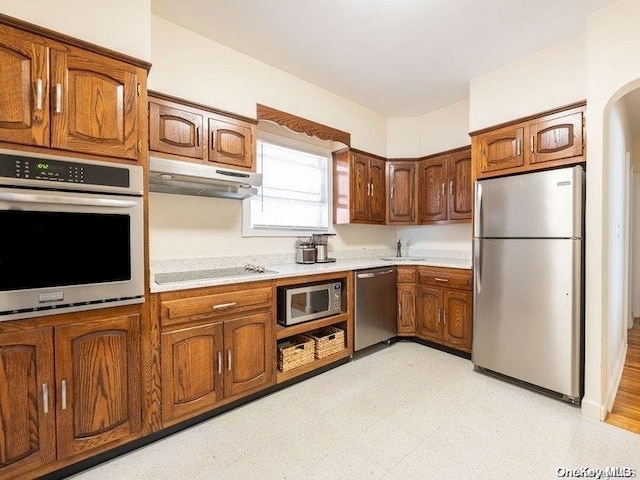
397	57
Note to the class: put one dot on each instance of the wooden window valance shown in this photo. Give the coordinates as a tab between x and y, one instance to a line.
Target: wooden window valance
302	125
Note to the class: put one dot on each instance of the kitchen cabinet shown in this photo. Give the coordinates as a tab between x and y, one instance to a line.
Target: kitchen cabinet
217	344
359	187
92	402
546	140
192	132
27	406
406	291
445	187
401	192
444	307
59	96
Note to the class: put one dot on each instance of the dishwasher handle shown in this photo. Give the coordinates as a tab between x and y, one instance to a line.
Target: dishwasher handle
373	275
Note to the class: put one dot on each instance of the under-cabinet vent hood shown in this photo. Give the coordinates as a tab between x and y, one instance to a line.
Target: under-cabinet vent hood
184	178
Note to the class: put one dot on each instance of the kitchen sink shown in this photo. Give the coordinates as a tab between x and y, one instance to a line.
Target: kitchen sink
403	259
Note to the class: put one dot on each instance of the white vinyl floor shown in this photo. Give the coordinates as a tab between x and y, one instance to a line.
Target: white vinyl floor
405	412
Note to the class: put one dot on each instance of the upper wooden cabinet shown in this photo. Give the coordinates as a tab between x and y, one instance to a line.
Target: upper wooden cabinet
358	188
547	140
197	133
401	192
59	96
444	188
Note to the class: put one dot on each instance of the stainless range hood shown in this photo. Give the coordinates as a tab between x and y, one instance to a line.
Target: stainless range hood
184	178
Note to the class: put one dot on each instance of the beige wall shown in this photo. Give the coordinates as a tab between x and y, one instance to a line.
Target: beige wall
613	69
548	79
190	66
120	25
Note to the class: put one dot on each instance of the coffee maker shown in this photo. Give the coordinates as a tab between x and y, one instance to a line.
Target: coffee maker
320	242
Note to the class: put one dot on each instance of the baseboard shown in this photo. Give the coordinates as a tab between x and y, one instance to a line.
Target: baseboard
594	410
613	389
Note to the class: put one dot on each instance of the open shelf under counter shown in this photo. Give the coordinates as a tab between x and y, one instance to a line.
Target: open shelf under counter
284	332
309	367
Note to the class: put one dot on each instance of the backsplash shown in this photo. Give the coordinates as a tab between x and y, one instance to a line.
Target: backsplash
187	264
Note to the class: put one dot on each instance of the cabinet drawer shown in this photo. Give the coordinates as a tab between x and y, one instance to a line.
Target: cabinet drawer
406	275
216	304
444	278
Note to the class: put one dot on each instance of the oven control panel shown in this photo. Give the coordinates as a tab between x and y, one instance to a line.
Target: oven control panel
14	166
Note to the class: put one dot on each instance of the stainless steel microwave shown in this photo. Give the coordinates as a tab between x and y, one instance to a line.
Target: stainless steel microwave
299	304
73	235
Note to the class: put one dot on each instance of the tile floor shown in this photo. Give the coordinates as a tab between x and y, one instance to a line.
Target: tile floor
405	412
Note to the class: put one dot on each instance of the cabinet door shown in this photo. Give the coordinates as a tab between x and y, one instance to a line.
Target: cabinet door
432	197
175	131
94	104
556	139
401	192
191	371
249	344
232	143
429	313
27	412
406	309
457	319
377	201
360	188
98	391
24	96
501	149
460	200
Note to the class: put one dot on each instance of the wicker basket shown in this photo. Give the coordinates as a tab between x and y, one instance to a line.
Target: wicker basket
329	340
295	351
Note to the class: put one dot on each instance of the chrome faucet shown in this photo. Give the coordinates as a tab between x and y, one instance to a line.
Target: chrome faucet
399	248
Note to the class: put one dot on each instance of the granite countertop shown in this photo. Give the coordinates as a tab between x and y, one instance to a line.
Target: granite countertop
290	269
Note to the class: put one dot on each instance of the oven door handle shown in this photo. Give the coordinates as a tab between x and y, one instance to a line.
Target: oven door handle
64	200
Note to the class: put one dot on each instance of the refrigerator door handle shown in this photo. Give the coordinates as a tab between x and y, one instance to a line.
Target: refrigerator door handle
477	269
477	211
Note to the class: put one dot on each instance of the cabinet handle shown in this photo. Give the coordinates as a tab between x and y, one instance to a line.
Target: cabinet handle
64	394
224	305
58	98
372	189
39	94
45	397
392	190
443	189
451	187
219	363
368	189
439	315
518	147
197	136
399	310
229	359
445	316
438	279
533	143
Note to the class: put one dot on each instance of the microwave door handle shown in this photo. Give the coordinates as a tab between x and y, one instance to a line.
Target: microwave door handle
63	200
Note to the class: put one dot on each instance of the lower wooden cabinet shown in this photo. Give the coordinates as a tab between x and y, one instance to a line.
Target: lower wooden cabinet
27	416
406	290
444	307
206	363
92	402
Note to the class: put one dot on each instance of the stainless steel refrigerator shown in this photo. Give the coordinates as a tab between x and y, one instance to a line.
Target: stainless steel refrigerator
528	288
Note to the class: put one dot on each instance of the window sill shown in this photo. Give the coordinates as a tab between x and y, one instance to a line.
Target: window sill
265	232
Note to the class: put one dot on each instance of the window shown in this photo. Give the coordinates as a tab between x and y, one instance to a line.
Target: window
294	197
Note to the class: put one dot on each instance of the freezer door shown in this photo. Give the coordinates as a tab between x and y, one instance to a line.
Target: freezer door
533	205
527	317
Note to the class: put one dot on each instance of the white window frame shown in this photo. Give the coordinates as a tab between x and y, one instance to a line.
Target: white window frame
249	231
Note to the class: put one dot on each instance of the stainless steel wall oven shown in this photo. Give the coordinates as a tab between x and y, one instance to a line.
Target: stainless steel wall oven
71	234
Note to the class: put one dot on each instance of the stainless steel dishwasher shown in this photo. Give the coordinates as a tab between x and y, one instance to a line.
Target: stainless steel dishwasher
375	315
